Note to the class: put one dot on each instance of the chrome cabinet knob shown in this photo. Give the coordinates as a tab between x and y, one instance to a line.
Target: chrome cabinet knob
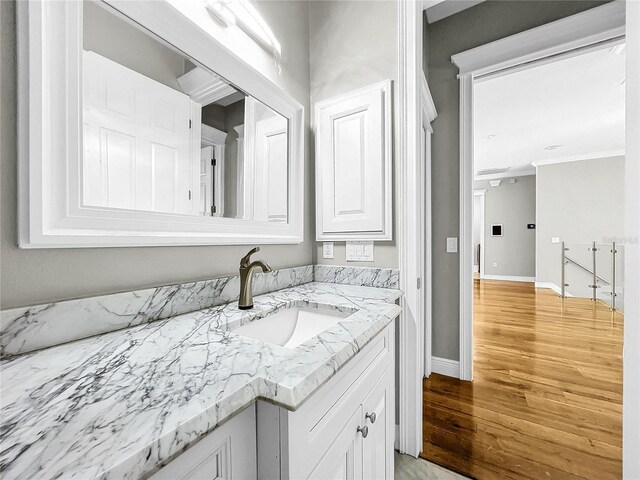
371	416
364	431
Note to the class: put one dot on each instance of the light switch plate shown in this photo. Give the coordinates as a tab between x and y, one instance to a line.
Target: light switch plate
360	251
327	249
452	245
555	239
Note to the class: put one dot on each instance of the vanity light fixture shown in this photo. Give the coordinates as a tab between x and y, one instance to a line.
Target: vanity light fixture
242	14
219	10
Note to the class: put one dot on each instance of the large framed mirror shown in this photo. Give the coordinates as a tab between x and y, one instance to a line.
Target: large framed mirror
139	128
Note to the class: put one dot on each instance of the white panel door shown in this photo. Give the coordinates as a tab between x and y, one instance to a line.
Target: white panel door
377	448
343	460
137	140
270	182
353	164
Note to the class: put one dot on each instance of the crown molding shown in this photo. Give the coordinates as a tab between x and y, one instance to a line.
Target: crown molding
591	26
581	157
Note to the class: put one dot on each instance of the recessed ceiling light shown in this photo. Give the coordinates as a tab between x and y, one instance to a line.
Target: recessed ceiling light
553	147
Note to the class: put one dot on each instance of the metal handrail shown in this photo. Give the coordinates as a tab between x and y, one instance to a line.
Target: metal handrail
566	259
586	269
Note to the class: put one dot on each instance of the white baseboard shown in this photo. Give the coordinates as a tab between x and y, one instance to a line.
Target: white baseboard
444	366
553	287
508	278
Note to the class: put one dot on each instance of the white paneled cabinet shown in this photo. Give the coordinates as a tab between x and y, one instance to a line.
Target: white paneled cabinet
353	165
344	431
228	452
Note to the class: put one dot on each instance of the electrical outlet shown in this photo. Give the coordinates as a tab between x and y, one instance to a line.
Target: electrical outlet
495	264
327	249
555	239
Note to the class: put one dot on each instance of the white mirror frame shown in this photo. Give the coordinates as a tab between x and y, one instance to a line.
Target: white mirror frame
50	212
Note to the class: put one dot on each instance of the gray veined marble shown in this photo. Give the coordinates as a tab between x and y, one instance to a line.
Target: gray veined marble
32	328
363	276
122	404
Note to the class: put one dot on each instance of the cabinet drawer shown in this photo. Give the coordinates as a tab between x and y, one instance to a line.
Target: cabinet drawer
314	426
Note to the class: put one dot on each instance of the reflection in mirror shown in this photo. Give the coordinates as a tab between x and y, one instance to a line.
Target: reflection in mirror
163	134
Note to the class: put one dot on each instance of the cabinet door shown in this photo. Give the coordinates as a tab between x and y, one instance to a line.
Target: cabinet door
343	460
227	453
353	165
377	448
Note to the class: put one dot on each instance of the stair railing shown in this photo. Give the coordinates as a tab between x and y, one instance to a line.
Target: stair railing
566	259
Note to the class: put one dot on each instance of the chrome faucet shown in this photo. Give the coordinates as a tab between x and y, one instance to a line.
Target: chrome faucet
247	268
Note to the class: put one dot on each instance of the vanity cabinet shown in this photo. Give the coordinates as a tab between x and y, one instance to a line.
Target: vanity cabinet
228	452
346	428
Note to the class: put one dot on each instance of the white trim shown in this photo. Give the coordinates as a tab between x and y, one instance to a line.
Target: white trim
521	172
51	214
436	10
203	87
466	228
212	136
594	25
552	286
586	28
429	113
217	139
509	278
480	192
408	125
579	158
397	437
444	366
631	383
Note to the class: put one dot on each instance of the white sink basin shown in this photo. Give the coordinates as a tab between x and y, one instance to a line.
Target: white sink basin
291	327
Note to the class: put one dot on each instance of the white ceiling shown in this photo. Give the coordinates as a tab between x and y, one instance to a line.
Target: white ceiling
575	104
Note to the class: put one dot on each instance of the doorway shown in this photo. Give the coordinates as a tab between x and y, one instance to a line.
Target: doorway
511	302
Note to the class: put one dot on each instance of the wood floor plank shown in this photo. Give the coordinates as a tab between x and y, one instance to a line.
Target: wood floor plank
546	400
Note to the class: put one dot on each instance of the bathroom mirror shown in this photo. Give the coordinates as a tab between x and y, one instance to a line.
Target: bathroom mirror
164	134
153	132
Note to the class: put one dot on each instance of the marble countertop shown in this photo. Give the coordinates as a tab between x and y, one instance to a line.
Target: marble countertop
122	404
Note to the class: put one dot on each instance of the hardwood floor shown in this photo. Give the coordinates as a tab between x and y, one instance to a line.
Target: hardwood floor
546	399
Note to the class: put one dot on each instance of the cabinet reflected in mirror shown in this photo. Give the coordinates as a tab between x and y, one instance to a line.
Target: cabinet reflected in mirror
164	134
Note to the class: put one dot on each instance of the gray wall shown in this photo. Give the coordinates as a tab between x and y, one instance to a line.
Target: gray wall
512	205
352	44
44	275
110	36
579	202
484	23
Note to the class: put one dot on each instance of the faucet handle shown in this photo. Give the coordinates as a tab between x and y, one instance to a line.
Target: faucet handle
244	262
